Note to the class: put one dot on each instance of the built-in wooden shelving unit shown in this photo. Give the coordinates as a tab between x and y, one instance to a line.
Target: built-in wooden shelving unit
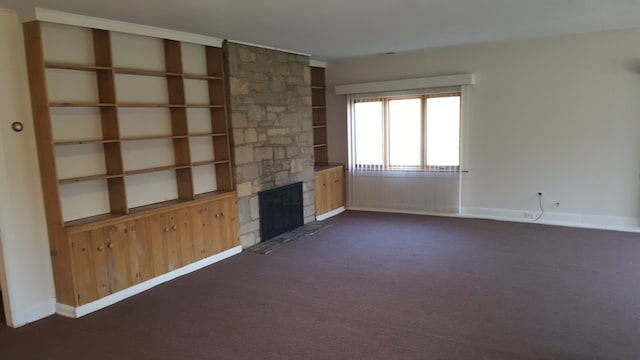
319	115
109	104
134	152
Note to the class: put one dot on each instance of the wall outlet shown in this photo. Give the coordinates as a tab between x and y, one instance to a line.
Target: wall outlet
528	215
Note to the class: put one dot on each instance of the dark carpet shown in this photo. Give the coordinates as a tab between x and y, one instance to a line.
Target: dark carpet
379	286
3	320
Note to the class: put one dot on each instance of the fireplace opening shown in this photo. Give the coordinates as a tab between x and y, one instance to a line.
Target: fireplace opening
280	210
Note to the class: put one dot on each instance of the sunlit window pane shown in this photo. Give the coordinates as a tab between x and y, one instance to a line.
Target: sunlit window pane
369	133
443	131
404	132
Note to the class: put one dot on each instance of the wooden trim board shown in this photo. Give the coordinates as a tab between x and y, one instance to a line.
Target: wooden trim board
60	17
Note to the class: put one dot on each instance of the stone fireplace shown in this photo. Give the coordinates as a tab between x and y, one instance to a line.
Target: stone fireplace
270	103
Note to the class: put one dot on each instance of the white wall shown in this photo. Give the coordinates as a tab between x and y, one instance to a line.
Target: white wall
28	282
557	115
407	193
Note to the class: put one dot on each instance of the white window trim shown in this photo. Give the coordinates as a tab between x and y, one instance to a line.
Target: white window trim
404	172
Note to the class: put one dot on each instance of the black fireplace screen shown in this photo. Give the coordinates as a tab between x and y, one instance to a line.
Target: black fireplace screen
280	210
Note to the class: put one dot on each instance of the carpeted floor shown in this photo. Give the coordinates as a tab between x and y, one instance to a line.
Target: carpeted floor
3	320
379	286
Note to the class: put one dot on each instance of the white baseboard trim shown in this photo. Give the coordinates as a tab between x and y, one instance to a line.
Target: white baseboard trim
600	222
401	211
76	312
65	310
329	214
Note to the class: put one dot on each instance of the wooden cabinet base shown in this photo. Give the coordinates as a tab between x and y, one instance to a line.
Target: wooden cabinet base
119	257
329	191
76	312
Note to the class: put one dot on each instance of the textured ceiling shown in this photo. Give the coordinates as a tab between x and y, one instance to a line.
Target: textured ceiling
332	29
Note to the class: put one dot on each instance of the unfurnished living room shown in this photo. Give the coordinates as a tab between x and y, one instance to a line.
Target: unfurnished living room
420	179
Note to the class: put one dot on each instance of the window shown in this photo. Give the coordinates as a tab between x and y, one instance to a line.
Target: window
406	133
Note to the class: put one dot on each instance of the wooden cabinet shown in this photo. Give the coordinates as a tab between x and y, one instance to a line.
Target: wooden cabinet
103	262
134	155
111	258
336	196
329	189
319	115
225	226
87	252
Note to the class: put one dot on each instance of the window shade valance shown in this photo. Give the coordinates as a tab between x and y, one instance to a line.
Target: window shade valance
406	84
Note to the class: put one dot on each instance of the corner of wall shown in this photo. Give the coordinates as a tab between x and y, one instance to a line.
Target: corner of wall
28	276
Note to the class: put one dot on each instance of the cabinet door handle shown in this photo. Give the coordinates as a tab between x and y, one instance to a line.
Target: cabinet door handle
100	248
173	227
110	245
166	229
221	214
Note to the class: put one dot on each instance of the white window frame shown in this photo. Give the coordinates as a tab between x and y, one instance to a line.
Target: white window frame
385	97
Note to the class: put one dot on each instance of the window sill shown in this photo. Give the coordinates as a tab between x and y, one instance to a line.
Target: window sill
407	173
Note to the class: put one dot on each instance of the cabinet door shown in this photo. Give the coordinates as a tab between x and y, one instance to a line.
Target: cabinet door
322	191
228	223
215	241
223	217
118	257
171	240
337	189
200	230
183	231
89	266
158	243
140	250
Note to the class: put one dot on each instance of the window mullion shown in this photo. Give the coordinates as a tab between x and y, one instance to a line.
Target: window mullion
385	142
423	128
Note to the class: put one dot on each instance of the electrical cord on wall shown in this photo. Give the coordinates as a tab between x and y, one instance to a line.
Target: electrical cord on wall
541	208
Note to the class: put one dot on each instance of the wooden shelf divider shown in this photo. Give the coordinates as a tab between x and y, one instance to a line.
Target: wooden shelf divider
87	178
148	105
153	137
84	142
208	134
205	106
202	163
80	104
71	66
142	72
201	77
155	169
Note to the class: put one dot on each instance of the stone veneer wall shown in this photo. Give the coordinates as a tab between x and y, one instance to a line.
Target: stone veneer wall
270	97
